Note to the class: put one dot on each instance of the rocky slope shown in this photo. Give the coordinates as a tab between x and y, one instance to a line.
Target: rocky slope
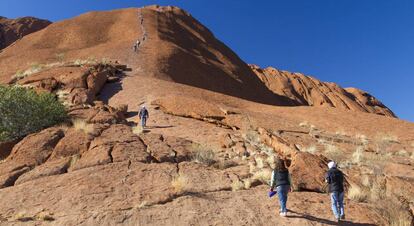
175	47
309	91
206	155
14	29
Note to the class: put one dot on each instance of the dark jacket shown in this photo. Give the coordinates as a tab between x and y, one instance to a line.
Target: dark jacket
280	178
143	113
335	178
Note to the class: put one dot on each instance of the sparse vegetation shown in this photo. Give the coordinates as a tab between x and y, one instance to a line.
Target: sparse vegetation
362	139
204	155
311	149
91	61
237	185
137	130
34	68
224	164
394	212
73	160
142	205
247	184
252	137
45	216
179	184
82	125
23	111
383	142
334	153
263	176
402	153
358	155
60	57
357	194
23	217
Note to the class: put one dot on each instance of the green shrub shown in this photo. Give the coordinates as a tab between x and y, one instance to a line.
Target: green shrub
23	111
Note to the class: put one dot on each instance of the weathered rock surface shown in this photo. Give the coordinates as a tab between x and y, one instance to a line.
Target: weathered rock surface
308	171
13	29
309	91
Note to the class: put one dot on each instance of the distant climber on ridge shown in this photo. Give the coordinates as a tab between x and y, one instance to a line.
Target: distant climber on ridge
143	116
281	180
335	178
136	45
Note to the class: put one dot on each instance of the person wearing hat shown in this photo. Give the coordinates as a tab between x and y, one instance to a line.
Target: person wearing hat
335	179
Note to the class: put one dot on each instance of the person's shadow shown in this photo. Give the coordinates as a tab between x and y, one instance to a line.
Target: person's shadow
325	221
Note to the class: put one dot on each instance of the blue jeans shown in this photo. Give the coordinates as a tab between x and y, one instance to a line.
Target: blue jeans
143	121
282	193
337	199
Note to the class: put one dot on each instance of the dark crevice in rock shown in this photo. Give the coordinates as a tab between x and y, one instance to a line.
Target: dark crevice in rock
13	178
208	119
110	153
147	150
188	194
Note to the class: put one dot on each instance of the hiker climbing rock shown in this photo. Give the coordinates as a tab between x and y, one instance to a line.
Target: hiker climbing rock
335	178
143	116
281	180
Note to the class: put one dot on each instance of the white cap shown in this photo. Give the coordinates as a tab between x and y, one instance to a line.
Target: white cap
331	164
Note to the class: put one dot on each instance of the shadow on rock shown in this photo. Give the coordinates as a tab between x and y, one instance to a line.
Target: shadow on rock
324	221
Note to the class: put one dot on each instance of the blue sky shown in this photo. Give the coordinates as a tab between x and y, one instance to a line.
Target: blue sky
368	44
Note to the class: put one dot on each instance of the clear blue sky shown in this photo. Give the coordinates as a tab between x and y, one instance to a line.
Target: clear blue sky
368	44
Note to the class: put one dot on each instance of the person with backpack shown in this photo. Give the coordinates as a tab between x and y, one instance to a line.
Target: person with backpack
335	179
143	116
281	181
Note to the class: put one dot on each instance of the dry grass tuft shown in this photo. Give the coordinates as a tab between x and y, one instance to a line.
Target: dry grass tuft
358	155
402	153
224	164
204	155
23	217
82	125
334	153
137	130
357	193
247	184
45	216
311	149
237	185
394	212
259	162
180	184
142	205
263	176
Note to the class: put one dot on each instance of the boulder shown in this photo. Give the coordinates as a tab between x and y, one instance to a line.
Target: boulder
75	142
50	168
308	172
36	148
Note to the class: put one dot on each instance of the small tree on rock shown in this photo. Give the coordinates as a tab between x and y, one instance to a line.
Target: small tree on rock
23	111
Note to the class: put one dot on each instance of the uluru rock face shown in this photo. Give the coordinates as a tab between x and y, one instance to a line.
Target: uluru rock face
14	29
174	47
309	91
